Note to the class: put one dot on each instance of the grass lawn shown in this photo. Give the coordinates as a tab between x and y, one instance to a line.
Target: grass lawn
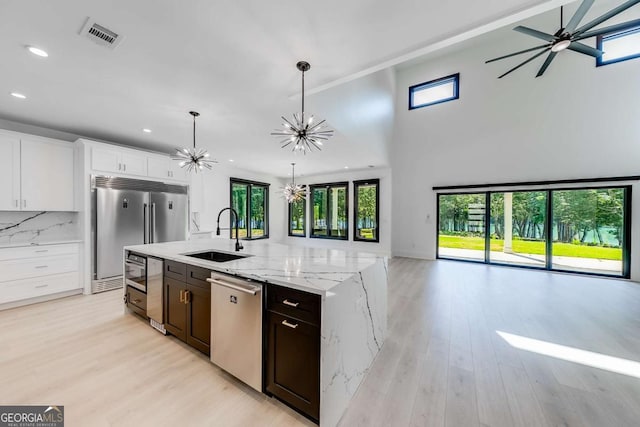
534	248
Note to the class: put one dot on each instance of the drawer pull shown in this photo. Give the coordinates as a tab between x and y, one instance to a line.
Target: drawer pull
41	286
182	295
290	304
41	266
137	301
291	325
42	251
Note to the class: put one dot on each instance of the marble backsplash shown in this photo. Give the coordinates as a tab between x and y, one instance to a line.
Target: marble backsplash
37	227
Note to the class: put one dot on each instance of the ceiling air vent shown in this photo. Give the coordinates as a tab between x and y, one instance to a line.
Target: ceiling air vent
100	35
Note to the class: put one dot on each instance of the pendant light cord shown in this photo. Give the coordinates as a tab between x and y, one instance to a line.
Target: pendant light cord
303	95
194	132
293	174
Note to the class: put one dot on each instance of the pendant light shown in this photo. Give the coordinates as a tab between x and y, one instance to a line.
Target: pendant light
193	159
301	133
294	192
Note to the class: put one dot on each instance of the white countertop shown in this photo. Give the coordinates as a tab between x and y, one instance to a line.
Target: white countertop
313	270
22	244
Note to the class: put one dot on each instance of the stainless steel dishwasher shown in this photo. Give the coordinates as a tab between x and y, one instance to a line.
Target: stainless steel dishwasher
236	327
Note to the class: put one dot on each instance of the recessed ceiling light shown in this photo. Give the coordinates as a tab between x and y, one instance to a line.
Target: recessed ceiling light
145	130
346	167
231	160
18	95
37	51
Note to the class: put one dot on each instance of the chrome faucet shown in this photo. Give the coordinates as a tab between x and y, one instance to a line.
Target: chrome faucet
235	215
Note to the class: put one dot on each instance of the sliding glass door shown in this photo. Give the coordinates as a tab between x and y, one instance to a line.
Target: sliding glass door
589	230
578	230
518	221
461	226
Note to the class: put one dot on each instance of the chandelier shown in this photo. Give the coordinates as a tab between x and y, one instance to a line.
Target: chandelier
301	132
294	192
193	159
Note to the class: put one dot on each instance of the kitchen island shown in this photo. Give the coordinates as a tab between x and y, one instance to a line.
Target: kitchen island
351	287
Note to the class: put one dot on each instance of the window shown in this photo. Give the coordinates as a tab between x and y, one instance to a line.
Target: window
434	92
297	214
619	46
251	201
366	211
329	208
583	230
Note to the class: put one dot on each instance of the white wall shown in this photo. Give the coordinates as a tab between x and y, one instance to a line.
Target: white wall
383	246
576	121
210	194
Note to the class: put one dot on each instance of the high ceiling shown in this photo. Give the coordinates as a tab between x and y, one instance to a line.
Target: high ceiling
234	62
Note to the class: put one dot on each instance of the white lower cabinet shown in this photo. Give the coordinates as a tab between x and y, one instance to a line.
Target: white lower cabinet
36	271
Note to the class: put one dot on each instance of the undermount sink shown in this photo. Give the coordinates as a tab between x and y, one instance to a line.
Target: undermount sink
216	256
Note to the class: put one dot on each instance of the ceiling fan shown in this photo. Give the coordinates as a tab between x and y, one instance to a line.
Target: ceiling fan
569	36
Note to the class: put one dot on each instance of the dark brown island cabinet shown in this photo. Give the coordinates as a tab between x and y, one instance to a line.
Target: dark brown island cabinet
293	348
187	304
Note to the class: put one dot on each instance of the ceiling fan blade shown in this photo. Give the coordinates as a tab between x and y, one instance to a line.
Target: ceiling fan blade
577	17
583	48
609	29
546	63
535	33
599	20
517	53
525	62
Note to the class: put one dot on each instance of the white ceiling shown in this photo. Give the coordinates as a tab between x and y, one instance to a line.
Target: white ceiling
234	62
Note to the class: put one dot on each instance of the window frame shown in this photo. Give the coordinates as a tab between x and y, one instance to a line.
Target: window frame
356	185
312	218
455	78
250	184
614	35
626	226
304	219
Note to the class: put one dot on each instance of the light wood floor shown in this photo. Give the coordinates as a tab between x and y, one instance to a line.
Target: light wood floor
442	363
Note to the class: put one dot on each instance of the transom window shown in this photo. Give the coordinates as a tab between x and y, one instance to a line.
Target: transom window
619	46
434	91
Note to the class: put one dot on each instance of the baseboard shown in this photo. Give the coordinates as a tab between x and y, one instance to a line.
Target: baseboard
43	298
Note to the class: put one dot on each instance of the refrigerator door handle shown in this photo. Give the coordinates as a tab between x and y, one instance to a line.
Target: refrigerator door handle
152	231
145	221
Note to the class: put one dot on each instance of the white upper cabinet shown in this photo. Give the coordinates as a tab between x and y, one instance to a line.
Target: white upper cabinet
9	173
114	160
165	168
47	176
36	174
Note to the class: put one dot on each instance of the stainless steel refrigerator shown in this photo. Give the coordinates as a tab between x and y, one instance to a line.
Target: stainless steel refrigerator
132	212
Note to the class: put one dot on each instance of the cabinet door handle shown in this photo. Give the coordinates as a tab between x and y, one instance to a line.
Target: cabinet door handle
24	203
42	250
17	203
290	304
187	297
137	301
181	295
124	167
41	286
119	166
41	266
291	325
